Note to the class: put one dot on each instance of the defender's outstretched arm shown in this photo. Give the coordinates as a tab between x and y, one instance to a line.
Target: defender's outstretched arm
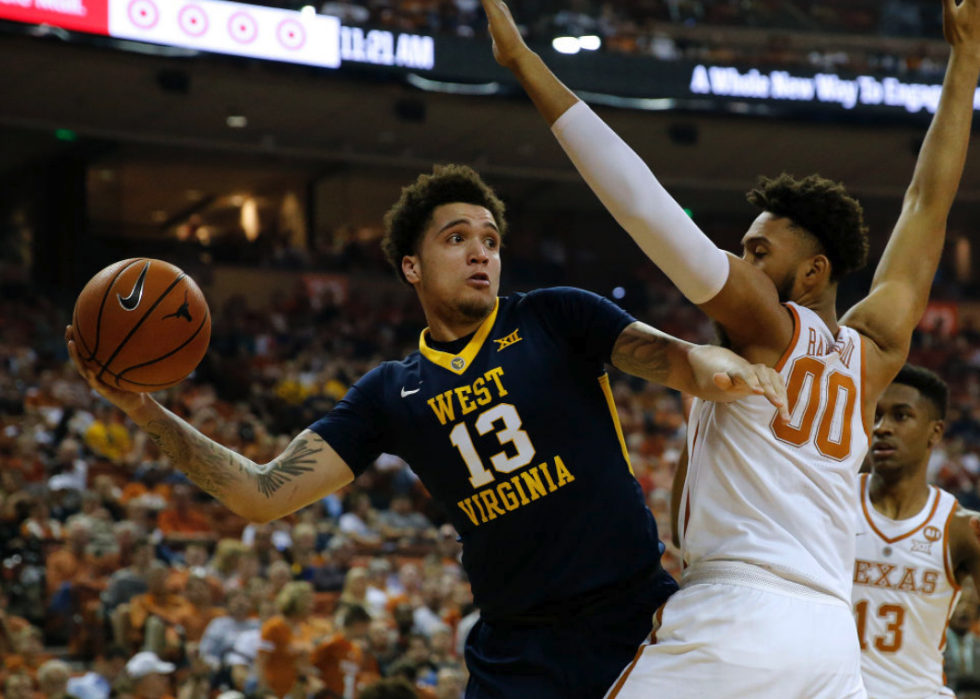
900	290
742	298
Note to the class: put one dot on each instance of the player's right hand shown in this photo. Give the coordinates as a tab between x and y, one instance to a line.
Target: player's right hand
508	44
961	23
127	401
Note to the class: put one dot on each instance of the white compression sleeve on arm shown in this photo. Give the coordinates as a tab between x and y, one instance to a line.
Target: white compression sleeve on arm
641	205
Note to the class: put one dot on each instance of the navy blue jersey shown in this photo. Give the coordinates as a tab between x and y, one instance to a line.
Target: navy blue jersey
517	436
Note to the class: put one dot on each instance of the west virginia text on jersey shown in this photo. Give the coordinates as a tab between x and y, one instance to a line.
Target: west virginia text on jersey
514	432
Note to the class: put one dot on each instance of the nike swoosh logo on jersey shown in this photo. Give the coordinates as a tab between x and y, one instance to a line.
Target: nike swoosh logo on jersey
408	393
132	302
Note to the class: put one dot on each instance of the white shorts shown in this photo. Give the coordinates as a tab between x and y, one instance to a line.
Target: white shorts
744	638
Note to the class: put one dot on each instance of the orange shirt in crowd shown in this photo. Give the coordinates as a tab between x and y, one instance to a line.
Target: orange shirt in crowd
285	646
19	663
136	489
168	607
189	522
343	665
196	619
64	565
178	577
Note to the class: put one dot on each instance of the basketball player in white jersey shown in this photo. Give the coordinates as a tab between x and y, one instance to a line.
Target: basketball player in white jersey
915	546
767	521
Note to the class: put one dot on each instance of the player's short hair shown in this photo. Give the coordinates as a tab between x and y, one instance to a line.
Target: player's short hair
928	384
407	220
824	210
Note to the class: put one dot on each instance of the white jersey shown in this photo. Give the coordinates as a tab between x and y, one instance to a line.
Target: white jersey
783	496
904	593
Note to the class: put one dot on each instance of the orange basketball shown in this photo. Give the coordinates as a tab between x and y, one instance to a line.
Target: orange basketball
142	325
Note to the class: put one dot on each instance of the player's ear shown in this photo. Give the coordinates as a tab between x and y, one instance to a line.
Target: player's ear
411	268
936	432
817	270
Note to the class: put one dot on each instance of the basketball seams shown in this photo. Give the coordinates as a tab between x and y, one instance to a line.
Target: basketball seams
119	376
105	297
138	324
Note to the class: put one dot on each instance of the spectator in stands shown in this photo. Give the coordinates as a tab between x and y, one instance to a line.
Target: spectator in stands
220	635
39	525
341	660
181	521
302	554
52	679
240	661
379	569
151	676
225	561
18	685
70	565
10	624
199	611
450	683
130	581
441	650
962	653
264	546
429	615
331	576
416	661
107	436
354	593
287	640
380	645
280	575
403	523
154	617
29	655
98	682
359	522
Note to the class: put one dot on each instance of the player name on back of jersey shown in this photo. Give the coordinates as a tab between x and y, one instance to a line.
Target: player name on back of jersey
891	577
525	486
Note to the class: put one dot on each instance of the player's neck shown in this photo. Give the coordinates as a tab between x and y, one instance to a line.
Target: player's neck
901	495
824	304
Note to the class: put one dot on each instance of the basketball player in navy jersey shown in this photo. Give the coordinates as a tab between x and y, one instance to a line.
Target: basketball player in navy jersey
506	415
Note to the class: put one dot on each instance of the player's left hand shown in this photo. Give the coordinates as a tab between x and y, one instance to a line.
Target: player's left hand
961	23
508	44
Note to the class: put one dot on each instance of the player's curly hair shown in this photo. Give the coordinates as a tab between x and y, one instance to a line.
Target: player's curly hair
823	209
407	220
929	386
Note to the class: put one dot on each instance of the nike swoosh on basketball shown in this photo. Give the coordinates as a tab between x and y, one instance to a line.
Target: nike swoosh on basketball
408	393
132	302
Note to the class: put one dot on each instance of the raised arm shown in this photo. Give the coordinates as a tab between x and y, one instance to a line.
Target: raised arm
308	470
711	373
742	298
900	290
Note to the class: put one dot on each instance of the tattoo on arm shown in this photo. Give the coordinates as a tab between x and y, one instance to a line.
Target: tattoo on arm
207	464
644	352
295	461
216	469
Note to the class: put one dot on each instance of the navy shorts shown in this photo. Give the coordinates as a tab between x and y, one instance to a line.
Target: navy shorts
578	656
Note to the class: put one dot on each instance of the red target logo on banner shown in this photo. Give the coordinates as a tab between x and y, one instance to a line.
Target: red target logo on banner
144	14
243	28
291	34
193	21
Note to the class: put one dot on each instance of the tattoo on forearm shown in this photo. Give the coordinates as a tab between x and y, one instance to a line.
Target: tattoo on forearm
215	468
643	353
207	464
295	461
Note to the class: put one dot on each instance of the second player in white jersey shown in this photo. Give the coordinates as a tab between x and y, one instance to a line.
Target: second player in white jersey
914	545
904	591
781	495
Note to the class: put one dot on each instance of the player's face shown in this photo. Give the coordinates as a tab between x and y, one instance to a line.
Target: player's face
772	246
905	430
457	267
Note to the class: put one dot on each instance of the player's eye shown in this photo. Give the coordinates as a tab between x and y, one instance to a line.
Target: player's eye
491	242
455	238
